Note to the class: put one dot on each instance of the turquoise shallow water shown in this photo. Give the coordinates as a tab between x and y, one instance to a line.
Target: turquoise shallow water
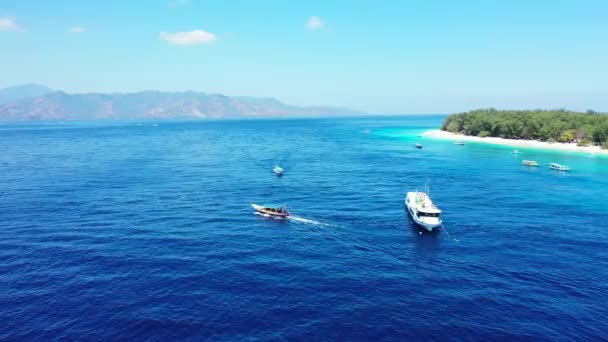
145	231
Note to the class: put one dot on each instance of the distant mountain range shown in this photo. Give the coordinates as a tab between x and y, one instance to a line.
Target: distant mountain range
22	91
36	102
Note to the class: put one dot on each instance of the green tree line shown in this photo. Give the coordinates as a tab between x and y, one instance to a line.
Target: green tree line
544	125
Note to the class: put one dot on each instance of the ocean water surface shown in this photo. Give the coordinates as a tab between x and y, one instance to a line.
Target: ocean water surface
144	230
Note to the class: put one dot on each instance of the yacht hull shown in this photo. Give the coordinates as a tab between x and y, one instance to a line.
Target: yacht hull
429	227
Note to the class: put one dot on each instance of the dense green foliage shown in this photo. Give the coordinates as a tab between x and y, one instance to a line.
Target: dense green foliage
584	142
545	125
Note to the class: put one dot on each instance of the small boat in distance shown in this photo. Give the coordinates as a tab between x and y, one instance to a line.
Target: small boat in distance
418	145
422	210
515	152
529	162
272	211
559	167
278	170
459	143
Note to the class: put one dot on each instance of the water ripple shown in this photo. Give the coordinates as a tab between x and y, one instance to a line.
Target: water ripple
119	231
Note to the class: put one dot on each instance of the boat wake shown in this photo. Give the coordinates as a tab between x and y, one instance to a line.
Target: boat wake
307	221
295	219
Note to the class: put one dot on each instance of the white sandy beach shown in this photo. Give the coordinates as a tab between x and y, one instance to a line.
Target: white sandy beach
571	147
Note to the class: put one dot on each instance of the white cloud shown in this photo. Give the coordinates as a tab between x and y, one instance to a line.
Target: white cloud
77	29
188	37
315	23
8	24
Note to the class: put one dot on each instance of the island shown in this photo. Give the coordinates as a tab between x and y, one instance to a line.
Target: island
555	129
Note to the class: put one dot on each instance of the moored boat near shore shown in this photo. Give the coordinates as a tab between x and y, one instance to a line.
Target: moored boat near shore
559	167
529	163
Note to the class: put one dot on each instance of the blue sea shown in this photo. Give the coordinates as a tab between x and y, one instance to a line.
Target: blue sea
145	231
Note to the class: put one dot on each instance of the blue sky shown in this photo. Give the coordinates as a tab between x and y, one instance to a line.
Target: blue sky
380	56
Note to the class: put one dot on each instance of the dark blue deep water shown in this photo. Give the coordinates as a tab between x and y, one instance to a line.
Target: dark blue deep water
120	230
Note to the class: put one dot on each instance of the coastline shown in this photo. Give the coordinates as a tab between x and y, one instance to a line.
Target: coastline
569	147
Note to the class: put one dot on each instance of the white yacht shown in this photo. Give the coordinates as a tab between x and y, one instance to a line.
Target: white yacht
278	170
423	210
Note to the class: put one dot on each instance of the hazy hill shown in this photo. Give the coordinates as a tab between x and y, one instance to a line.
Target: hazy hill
22	91
59	105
